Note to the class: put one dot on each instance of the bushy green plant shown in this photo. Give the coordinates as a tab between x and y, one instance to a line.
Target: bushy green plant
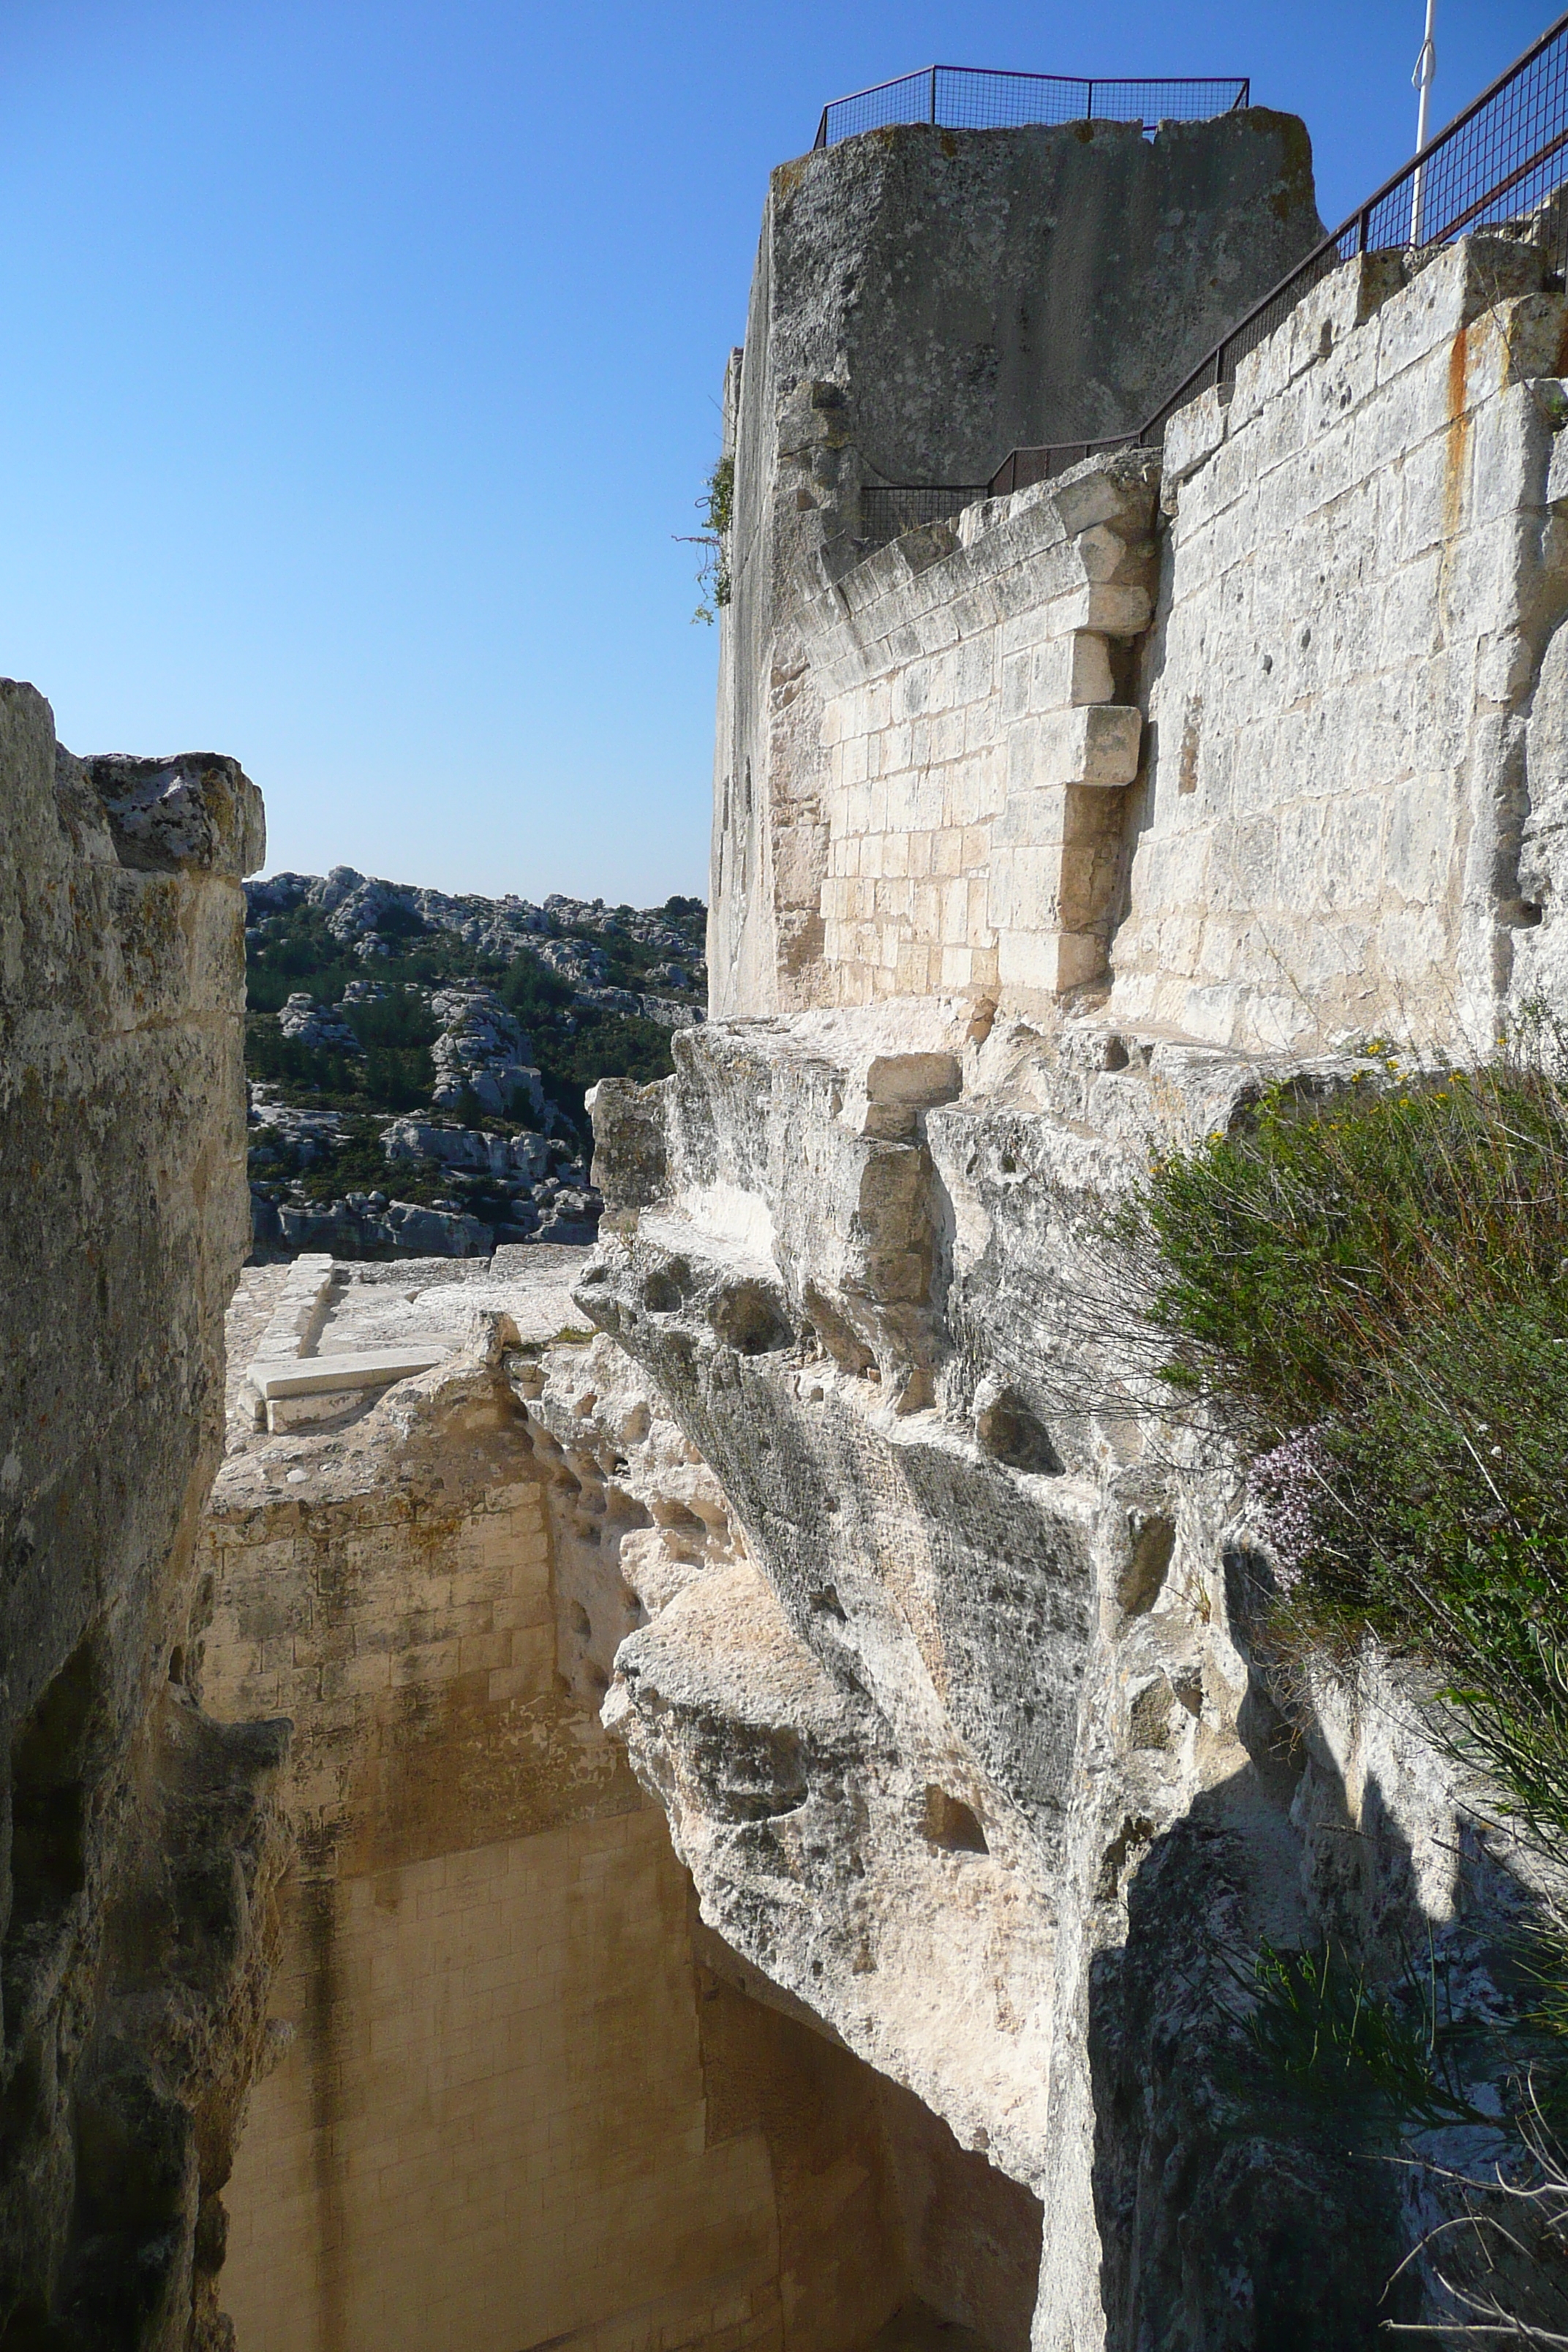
399	1022
717	509
1371	1292
1374	1293
532	990
1382	2058
601	1046
385	1079
1390	1276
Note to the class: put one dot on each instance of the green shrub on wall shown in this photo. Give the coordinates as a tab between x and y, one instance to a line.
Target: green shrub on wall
1374	1293
717	509
1371	1294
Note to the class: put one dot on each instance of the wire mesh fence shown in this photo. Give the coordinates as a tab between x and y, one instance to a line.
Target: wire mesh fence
980	97
1021	467
1502	164
888	513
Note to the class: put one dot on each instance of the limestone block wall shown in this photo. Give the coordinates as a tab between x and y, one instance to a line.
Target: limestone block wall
124	2057
923	300
1363	569
1263	759
977	746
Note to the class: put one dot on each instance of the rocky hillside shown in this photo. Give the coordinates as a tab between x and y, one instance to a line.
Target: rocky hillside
417	1063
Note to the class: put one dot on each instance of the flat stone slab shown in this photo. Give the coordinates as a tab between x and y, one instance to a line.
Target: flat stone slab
301	1308
367	1368
338	1330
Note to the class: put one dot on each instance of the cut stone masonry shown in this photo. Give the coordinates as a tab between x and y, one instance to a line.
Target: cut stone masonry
1366	568
975	747
1262	766
292	1381
924	300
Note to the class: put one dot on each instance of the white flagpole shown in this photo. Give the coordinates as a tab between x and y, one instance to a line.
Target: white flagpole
1422	80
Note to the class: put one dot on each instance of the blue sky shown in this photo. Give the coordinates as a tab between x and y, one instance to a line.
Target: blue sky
363	360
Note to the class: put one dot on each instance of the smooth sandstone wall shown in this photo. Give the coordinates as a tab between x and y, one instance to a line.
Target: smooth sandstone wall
521	2096
486	2123
490	2128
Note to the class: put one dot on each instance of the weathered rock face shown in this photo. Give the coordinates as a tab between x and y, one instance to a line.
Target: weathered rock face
482	1055
923	301
522	2093
971	1754
139	1843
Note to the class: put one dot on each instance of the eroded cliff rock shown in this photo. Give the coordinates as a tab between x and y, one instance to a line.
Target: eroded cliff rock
141	1845
523	2091
972	1753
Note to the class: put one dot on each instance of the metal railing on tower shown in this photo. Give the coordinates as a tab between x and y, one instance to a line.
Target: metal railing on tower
984	97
